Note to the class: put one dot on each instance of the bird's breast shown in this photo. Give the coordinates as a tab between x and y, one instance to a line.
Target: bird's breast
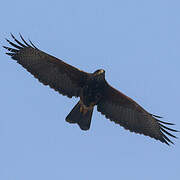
92	92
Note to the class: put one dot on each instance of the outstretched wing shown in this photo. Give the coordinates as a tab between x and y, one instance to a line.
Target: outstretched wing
49	70
124	111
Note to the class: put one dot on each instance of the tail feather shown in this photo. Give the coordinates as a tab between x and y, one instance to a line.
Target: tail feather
76	116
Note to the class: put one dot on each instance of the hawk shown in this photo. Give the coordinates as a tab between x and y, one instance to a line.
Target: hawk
92	89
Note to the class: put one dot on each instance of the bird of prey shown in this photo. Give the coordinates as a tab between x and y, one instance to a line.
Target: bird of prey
92	89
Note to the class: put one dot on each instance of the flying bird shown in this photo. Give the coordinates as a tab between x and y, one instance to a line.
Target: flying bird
92	89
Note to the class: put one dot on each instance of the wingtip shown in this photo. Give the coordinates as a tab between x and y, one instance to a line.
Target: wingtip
7	40
21	36
5	47
156	116
165	122
32	44
12	36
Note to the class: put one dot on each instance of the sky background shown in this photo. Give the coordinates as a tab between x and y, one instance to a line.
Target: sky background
136	42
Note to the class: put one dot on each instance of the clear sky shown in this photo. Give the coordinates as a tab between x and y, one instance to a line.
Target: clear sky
137	42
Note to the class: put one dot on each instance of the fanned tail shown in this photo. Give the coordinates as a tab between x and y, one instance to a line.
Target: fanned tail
82	118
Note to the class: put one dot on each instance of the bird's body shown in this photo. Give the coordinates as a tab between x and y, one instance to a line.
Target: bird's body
92	89
90	95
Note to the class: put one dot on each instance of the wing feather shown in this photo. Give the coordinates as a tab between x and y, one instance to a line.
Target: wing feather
49	70
124	111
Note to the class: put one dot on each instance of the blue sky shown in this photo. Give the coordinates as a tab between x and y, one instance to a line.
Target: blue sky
136	42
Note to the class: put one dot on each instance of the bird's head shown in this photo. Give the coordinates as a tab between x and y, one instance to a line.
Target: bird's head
100	73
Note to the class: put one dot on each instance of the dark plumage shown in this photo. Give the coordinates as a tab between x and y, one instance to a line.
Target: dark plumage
92	88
